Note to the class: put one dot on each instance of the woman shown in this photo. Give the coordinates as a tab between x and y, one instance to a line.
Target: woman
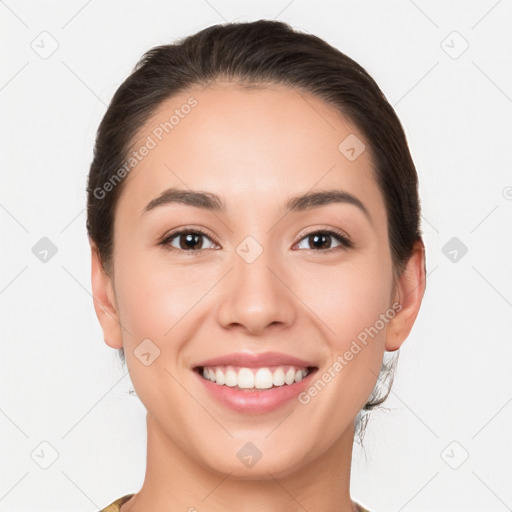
253	216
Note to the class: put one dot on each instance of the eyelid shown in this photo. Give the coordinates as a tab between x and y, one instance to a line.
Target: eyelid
322	229
186	229
346	240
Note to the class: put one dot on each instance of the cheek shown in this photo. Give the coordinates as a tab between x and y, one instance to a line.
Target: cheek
157	305
348	303
156	299
347	298
154	296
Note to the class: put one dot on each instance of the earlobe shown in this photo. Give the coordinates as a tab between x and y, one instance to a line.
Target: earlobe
104	300
409	294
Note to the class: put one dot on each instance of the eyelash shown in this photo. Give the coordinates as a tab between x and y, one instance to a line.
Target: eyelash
345	242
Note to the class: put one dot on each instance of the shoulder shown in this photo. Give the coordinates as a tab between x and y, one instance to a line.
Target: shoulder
116	505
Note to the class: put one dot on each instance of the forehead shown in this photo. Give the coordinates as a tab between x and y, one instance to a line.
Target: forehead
254	145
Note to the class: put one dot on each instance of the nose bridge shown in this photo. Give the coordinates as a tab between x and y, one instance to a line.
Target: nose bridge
252	264
255	296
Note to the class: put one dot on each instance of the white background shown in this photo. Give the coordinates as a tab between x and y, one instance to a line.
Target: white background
61	384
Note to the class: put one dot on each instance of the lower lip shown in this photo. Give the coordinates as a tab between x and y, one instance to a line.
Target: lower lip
256	401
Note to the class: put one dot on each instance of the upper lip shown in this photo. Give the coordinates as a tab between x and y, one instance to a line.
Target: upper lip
255	360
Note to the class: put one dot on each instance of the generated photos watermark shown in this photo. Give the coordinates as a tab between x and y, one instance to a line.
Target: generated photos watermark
343	359
151	142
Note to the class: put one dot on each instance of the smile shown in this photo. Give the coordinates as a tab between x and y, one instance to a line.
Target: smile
262	378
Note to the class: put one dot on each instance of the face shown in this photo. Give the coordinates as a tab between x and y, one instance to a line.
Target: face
251	272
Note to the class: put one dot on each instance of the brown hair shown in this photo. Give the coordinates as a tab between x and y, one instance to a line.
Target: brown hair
258	53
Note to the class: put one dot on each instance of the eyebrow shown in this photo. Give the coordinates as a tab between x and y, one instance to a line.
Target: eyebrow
212	202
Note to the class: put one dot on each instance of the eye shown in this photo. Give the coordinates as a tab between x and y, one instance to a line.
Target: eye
191	240
322	240
188	240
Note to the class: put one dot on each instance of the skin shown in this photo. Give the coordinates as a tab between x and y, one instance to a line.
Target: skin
255	149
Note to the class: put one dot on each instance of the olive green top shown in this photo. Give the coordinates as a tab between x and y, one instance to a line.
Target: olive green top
116	505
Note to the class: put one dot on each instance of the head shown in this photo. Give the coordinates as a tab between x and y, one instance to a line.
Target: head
254	115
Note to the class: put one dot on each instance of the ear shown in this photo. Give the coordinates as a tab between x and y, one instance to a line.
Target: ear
104	300
409	294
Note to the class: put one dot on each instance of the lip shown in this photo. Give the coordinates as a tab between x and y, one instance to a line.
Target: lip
255	401
254	360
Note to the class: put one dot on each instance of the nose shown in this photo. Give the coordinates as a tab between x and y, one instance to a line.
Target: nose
255	296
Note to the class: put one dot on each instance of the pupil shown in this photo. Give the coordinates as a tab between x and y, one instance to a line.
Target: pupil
317	237
190	240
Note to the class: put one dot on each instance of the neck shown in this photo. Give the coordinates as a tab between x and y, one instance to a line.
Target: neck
175	481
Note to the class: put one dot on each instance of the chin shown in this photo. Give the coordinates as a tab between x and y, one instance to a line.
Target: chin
250	464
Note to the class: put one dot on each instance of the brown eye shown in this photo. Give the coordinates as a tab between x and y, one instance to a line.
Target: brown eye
322	240
186	240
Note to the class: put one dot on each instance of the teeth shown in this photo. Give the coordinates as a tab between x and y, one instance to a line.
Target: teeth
289	377
220	378
231	378
263	379
278	377
245	378
251	378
